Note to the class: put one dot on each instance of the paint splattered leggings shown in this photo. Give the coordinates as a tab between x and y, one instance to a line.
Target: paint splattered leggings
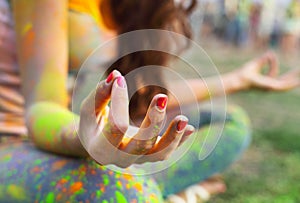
30	175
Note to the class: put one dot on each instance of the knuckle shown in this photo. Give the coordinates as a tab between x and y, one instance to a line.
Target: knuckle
147	146
119	128
161	156
122	127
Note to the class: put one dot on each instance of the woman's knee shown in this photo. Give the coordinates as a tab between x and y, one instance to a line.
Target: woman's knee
223	144
40	176
237	129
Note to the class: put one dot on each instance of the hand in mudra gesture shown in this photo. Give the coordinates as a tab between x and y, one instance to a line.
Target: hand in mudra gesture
103	128
251	74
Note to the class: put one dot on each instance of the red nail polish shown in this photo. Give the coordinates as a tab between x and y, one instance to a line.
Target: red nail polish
181	125
109	77
189	131
121	82
161	103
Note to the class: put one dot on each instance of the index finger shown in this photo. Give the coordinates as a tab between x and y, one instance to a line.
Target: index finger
102	93
118	118
270	59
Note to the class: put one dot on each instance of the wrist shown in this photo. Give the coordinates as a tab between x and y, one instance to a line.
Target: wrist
236	81
242	80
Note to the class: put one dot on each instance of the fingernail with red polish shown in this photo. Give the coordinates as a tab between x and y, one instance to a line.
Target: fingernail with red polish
181	125
109	78
121	82
161	103
189	130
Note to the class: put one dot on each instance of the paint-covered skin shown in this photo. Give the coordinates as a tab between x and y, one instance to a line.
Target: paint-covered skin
42	49
84	37
50	40
31	175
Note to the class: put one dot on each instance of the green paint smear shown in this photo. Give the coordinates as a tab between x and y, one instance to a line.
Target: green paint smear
81	191
67	177
104	201
6	158
119	185
37	162
120	197
49	118
98	194
16	192
50	198
105	179
154	200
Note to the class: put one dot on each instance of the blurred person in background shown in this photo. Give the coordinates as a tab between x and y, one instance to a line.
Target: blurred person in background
291	29
255	13
266	23
238	13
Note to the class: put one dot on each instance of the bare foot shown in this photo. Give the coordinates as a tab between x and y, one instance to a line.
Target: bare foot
214	185
200	192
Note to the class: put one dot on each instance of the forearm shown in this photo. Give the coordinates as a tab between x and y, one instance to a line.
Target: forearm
230	83
202	89
42	49
53	128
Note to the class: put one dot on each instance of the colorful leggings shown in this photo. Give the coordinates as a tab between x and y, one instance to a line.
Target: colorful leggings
30	175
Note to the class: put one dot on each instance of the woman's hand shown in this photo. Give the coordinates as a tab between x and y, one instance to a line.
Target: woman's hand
252	76
103	131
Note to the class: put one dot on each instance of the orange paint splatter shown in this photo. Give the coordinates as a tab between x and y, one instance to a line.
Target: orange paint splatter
62	181
58	165
76	186
138	186
102	187
82	169
59	197
36	169
93	172
128	177
27	43
127	186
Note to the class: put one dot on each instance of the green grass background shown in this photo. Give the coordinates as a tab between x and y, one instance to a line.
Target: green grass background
269	171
